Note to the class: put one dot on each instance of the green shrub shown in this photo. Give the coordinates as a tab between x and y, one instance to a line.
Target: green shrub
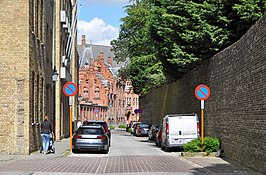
193	146
211	144
129	130
112	127
122	126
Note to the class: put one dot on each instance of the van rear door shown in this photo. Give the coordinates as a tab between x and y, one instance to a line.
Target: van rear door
182	129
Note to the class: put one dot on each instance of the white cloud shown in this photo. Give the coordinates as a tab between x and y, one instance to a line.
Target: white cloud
97	31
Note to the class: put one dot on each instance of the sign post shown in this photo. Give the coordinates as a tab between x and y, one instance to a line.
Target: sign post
202	92
70	89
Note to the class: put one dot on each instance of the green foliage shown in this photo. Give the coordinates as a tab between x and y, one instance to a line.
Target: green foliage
112	127
145	73
122	126
129	130
165	39
211	144
193	146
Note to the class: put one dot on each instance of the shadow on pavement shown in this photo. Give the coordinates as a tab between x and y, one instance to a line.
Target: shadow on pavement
225	169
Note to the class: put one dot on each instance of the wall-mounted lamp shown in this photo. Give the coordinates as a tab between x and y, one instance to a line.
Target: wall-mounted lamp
79	98
55	75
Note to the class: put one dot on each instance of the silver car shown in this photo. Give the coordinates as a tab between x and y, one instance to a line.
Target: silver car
91	138
143	129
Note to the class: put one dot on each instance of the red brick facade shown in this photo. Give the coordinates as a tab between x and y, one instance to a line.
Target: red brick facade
104	95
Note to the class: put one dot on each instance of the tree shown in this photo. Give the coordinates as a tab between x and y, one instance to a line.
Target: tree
185	32
165	39
144	70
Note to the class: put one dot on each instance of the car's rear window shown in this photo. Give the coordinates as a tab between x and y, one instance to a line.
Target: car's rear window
144	125
90	131
104	124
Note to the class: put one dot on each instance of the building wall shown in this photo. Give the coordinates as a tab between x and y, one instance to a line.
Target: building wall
14	81
235	112
112	94
22	74
40	69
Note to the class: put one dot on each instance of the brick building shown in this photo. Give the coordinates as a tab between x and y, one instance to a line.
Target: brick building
103	95
32	41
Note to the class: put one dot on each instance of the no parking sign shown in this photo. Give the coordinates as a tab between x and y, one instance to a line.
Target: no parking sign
70	89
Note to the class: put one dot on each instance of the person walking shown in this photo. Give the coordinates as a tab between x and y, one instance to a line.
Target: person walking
46	129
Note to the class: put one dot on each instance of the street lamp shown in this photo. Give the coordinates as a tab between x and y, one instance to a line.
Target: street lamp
55	75
79	98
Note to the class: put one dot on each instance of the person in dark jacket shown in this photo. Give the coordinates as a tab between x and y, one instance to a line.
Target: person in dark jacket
46	129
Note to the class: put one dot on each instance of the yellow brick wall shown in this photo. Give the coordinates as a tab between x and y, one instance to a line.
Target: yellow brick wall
25	47
14	53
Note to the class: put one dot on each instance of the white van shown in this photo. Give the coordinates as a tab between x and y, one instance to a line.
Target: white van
179	129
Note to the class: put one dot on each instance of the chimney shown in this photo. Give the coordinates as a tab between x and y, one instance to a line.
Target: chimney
83	40
109	60
101	58
91	64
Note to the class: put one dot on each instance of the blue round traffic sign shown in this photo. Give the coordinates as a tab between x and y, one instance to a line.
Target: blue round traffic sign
70	89
96	110
202	92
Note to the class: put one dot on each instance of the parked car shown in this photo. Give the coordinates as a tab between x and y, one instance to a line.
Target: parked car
90	138
158	140
99	122
143	129
133	128
179	129
152	133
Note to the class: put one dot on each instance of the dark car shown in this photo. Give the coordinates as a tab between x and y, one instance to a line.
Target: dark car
153	131
99	122
158	140
143	129
90	138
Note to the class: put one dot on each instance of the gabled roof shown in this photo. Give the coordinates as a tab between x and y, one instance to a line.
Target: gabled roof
114	71
89	51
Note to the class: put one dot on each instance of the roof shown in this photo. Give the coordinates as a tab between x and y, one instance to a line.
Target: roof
115	71
101	78
89	51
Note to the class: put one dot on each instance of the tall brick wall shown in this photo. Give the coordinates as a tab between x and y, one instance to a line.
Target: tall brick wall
236	110
25	64
14	66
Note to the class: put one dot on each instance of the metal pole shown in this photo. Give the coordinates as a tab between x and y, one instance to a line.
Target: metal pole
70	129
202	129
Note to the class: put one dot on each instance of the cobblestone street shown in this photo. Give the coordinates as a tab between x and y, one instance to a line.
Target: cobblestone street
128	155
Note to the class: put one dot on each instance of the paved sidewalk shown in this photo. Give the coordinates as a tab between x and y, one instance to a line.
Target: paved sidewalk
61	149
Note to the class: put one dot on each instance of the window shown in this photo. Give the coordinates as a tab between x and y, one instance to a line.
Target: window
32	96
97	92
38	99
85	91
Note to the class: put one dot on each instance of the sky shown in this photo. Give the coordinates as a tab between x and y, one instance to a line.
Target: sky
99	20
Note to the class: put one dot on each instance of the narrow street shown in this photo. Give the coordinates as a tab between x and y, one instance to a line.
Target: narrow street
128	155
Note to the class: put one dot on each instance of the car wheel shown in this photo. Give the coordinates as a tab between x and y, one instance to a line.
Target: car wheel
162	147
75	151
167	149
53	148
106	151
